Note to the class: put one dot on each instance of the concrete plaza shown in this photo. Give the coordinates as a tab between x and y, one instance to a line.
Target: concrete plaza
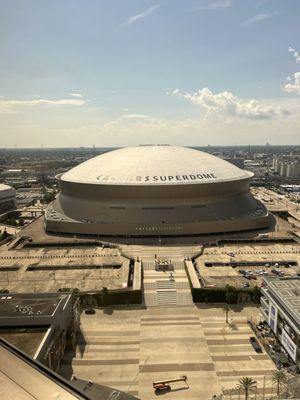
130	348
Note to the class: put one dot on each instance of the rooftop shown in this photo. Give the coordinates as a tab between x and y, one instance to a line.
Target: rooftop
4	187
18	305
25	338
154	165
288	292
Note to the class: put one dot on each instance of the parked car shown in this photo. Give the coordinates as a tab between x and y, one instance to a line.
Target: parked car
90	311
242	271
274	271
255	344
246	284
253	277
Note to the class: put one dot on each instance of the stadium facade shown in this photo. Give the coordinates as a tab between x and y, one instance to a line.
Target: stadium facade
155	191
7	199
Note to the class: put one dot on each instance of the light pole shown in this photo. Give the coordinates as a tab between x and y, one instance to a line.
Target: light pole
255	394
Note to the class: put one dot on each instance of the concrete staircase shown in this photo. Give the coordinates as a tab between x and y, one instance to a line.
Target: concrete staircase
184	299
150	299
177	285
163	290
166	298
165	284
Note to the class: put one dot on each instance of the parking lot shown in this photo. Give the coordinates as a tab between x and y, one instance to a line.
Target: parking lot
245	265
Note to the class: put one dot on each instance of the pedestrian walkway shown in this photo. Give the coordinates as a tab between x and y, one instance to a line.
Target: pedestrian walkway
128	349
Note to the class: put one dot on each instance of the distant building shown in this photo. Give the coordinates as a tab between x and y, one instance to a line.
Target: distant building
280	308
40	324
287	166
27	196
7	199
238	162
13	172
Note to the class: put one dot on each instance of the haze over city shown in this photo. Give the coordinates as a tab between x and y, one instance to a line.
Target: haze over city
118	73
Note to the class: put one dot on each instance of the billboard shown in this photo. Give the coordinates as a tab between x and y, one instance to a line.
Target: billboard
289	345
273	315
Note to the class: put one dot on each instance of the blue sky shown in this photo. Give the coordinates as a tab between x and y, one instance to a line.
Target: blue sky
107	72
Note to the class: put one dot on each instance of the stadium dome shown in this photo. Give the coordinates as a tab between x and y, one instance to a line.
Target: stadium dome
154	191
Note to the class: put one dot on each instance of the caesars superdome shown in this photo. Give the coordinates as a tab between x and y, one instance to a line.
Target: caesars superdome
155	191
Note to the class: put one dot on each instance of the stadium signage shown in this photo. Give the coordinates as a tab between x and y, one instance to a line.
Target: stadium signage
162	178
273	316
289	345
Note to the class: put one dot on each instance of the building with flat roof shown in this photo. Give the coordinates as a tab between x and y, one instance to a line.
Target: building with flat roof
40	324
280	308
155	191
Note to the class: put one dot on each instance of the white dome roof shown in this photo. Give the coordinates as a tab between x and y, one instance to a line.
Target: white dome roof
4	187
154	165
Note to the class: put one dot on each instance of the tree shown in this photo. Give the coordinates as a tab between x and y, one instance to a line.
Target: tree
293	386
231	294
48	197
247	385
105	296
256	294
279	378
226	309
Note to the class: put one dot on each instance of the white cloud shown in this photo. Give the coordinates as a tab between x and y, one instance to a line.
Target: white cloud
76	95
10	106
135	116
294	84
258	18
229	105
213	5
80	129
201	131
139	16
295	54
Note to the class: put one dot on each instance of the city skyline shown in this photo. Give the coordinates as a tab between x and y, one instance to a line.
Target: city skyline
219	72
